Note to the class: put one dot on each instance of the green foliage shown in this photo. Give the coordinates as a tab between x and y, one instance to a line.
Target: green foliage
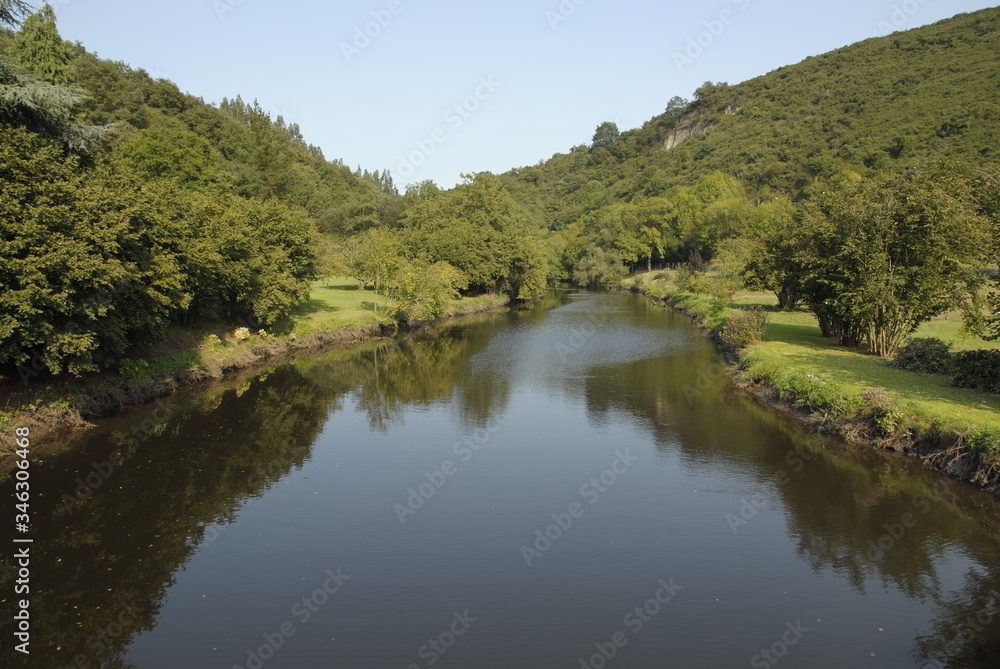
45	108
925	354
94	263
11	11
373	257
606	135
39	48
133	370
984	441
880	407
424	291
876	257
478	229
598	267
172	154
744	327
978	369
774	136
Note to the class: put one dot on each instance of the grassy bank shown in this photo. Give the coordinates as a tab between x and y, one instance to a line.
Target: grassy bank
338	311
955	429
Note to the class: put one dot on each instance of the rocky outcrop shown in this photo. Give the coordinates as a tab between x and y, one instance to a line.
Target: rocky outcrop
684	133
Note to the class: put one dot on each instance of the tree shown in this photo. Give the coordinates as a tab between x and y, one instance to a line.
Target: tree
42	106
39	48
598	267
176	154
605	136
675	108
774	263
423	290
885	254
373	256
11	11
479	229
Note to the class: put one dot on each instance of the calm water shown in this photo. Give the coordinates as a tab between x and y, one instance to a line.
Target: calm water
573	486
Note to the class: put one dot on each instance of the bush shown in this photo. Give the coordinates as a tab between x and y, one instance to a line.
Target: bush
881	408
694	282
979	370
133	370
744	328
925	355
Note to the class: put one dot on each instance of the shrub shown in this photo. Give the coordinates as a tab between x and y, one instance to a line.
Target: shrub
925	355
211	341
694	282
744	328
880	407
984	441
133	370
979	370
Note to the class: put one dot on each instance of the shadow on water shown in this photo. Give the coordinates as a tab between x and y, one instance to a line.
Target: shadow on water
111	534
119	512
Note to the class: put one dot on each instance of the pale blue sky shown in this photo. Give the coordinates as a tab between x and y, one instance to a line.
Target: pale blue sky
551	76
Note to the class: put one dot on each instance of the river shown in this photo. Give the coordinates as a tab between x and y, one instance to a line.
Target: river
575	485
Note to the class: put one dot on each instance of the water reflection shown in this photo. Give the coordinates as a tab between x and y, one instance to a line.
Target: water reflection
102	568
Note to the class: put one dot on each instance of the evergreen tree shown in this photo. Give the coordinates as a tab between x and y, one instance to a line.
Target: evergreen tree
12	10
39	48
42	106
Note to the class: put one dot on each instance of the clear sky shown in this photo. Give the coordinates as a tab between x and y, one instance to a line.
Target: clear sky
530	78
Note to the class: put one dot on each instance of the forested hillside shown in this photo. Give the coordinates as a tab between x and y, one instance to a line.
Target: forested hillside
701	171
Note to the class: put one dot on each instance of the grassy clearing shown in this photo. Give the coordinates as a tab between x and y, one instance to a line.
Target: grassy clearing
814	371
334	304
341	303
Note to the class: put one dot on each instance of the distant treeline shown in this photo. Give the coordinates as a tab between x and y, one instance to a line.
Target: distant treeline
129	207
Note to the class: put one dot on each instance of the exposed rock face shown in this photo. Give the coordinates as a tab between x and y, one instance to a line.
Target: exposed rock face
683	134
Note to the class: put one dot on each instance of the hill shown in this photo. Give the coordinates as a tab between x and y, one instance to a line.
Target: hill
884	104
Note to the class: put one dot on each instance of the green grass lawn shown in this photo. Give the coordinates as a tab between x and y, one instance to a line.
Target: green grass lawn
335	303
794	358
341	303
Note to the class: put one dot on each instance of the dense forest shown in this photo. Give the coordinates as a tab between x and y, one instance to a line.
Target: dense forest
129	207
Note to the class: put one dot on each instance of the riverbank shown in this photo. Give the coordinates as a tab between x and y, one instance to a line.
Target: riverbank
338	313
850	394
